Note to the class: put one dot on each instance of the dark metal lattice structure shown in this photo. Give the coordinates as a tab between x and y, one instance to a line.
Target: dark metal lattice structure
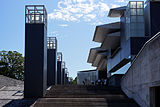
35	14
51	43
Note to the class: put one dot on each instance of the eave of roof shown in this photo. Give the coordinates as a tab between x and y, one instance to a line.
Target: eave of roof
99	57
103	65
103	30
111	41
117	12
93	52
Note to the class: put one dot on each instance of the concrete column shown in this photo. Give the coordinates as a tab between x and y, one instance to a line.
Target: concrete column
35	75
51	61
59	68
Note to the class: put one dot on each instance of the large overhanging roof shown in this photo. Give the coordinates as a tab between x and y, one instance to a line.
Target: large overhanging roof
98	58
92	54
111	41
103	30
103	65
116	12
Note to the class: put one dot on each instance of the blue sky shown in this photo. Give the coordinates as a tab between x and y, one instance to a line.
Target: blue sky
73	22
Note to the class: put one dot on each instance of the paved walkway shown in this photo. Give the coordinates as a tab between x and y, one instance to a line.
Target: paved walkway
9	93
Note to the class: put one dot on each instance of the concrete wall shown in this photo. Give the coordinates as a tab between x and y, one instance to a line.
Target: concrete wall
115	80
144	73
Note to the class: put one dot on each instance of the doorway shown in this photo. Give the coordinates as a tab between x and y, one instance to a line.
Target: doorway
155	96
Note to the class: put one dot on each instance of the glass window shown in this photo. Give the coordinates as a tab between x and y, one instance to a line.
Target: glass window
139	4
133	11
132	4
133	18
139	11
140	18
133	26
127	20
140	26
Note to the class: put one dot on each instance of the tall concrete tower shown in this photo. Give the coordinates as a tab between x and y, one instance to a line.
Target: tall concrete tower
59	68
63	72
51	61
35	80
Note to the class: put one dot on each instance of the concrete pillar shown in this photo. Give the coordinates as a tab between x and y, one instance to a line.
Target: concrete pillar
51	61
66	77
35	75
63	72
59	68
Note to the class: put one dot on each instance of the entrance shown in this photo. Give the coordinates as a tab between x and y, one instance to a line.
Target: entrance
155	96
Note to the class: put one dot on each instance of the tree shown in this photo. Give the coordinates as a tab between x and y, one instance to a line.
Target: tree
74	81
12	64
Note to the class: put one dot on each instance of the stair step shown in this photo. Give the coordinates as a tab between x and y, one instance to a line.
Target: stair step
85	96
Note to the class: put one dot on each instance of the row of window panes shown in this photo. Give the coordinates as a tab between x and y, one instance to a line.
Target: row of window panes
137	26
137	33
136	5
136	11
137	19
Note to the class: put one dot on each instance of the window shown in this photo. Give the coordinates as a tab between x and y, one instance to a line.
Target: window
132	4
139	4
133	18
139	11
133	11
140	19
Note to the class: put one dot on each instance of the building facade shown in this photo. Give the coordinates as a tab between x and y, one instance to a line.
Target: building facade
121	41
89	76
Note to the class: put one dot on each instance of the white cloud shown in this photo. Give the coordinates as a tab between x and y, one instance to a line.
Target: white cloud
120	0
53	34
77	10
63	25
114	5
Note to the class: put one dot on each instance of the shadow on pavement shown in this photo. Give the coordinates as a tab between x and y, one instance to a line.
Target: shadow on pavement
20	103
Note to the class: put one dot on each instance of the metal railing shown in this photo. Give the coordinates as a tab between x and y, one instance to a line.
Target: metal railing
35	14
51	43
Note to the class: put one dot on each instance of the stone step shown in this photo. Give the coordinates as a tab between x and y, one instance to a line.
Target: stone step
111	96
85	96
84	104
84	100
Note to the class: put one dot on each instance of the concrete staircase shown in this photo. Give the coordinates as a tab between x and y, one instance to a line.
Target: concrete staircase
85	96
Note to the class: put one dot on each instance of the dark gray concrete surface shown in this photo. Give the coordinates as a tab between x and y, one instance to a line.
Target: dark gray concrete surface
35	81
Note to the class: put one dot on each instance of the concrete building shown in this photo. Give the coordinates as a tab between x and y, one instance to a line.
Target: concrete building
120	44
35	71
90	76
120	41
51	61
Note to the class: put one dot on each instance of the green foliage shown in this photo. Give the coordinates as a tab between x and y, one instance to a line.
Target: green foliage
12	64
74	81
